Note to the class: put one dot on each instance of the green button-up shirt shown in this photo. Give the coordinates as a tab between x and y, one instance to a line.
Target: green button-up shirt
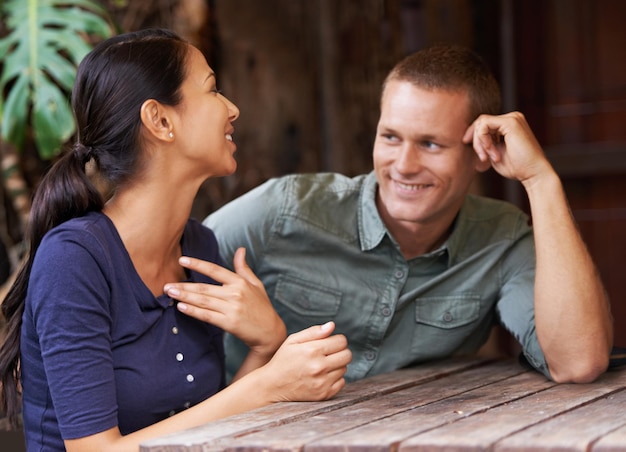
320	247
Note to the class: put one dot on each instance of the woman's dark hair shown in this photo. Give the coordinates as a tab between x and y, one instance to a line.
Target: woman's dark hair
112	83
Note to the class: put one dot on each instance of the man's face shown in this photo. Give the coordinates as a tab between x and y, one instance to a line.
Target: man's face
422	166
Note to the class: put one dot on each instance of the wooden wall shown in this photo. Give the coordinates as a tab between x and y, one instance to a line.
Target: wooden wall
306	76
571	84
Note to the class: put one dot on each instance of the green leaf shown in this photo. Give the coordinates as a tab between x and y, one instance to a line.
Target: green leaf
60	69
45	42
52	119
14	115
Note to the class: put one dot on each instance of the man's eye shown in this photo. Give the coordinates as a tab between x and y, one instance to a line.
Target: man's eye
390	137
431	146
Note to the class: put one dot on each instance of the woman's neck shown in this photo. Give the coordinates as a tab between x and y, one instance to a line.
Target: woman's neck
151	227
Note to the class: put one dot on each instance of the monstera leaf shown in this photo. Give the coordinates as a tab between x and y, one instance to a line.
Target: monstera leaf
45	42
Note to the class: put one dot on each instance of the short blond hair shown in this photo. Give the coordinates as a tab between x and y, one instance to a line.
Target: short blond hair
451	68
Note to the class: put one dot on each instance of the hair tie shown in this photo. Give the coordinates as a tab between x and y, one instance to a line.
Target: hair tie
88	155
83	153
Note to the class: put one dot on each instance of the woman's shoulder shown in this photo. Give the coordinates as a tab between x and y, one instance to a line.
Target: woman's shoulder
93	223
92	234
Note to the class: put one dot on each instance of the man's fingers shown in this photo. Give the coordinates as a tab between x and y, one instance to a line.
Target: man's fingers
469	134
473	137
488	134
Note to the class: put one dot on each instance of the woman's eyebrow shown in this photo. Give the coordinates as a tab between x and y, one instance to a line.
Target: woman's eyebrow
211	74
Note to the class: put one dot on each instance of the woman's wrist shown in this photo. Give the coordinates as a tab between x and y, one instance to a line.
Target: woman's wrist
267	349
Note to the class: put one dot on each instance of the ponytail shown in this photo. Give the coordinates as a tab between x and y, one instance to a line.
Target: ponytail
112	82
65	192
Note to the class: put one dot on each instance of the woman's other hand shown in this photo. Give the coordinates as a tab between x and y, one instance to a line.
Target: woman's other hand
309	366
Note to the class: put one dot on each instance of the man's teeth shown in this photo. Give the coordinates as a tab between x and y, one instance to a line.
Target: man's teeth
229	137
411	187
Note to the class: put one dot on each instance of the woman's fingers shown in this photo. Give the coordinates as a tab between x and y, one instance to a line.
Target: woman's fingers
239	305
312	333
204	314
310	364
219	273
243	269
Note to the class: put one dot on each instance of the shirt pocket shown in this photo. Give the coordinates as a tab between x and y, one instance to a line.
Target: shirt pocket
447	312
306	298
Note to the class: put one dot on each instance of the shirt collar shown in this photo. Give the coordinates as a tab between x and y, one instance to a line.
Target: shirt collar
371	226
372	230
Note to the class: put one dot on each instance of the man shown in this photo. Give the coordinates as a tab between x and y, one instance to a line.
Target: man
408	264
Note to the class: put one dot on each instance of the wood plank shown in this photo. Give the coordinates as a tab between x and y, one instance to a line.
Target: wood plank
294	436
575	430
386	433
483	430
282	413
613	442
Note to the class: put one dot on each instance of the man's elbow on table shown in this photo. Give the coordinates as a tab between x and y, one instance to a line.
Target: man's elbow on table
585	369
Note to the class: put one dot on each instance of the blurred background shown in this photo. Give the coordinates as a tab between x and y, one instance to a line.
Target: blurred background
306	75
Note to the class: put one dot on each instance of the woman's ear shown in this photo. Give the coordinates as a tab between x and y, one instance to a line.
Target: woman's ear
156	119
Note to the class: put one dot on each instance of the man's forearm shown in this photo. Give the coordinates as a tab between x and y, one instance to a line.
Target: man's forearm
572	312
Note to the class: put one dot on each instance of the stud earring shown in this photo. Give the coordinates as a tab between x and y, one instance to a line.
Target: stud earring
171	135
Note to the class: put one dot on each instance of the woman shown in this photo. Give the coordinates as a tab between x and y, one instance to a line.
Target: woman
105	358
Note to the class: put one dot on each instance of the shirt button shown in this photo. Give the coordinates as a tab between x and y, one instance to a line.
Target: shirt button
386	311
171	303
179	356
172	413
174	330
447	317
187	404
190	378
398	274
370	355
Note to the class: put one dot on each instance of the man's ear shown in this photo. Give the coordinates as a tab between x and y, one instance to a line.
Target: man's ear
156	120
481	166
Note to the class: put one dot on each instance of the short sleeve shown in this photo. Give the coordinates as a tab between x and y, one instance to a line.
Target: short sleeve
71	315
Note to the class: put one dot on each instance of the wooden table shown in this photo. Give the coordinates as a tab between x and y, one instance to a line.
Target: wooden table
450	405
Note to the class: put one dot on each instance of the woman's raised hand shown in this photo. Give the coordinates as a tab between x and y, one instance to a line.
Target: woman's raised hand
239	306
309	365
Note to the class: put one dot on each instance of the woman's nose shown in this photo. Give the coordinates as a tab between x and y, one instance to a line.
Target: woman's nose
233	110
